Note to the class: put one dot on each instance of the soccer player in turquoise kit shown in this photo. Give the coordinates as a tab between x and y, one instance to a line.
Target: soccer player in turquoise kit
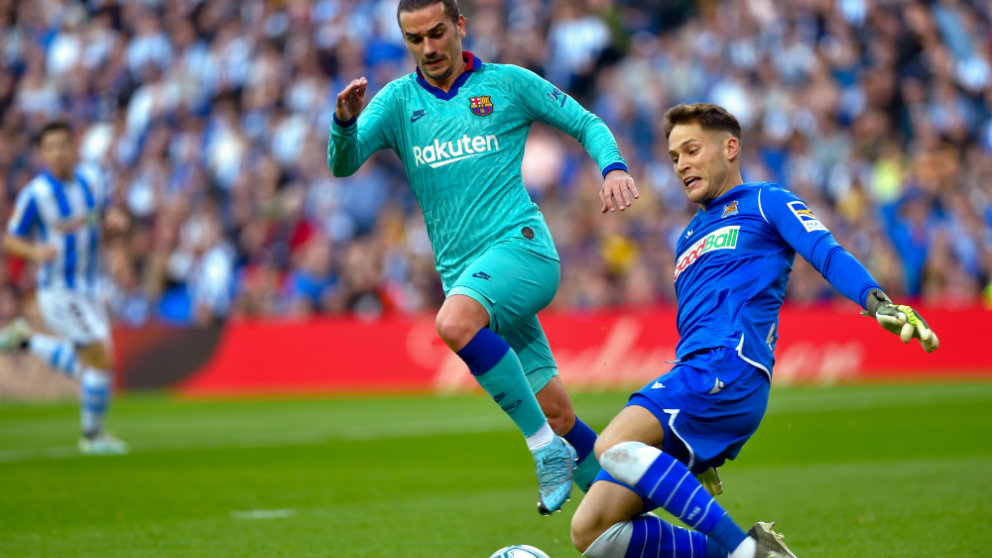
732	265
459	127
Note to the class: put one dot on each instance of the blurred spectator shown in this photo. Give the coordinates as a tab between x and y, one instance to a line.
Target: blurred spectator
211	117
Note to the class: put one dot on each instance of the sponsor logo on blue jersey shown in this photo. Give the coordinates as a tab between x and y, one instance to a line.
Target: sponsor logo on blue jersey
720	239
442	153
481	105
557	95
805	216
417	115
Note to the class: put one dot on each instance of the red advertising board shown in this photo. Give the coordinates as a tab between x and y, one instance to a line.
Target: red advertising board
618	349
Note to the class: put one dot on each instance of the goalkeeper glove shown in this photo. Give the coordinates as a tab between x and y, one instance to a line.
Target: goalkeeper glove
900	320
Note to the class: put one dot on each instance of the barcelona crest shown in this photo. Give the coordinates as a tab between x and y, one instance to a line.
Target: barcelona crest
481	106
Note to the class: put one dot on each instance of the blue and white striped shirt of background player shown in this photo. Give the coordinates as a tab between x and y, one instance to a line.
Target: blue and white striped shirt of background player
733	262
67	216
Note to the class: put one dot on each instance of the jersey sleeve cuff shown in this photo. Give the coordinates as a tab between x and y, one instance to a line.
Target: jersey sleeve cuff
347	123
863	295
613	167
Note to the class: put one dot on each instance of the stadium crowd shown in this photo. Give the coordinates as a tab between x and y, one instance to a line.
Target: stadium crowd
210	119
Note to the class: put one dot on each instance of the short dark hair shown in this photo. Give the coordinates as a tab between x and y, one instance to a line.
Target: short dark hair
52	127
450	7
707	115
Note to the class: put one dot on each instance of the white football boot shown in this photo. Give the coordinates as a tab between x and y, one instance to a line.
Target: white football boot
102	444
15	335
770	544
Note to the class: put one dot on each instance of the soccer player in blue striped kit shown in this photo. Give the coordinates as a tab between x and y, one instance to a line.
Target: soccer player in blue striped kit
732	265
56	224
459	126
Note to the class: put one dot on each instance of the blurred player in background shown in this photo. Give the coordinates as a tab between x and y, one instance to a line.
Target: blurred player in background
459	126
732	265
56	225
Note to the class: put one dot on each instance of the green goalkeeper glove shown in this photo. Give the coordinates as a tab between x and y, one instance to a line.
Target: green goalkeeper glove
900	320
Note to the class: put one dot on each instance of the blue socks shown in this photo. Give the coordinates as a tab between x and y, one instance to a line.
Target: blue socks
669	485
653	538
498	371
583	438
666	483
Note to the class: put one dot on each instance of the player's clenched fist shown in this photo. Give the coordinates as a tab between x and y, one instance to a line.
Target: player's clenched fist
618	191
351	99
901	320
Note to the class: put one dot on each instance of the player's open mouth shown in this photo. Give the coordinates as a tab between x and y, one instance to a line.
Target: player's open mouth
689	181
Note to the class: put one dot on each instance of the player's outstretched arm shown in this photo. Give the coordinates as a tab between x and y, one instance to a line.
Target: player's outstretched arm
618	191
900	320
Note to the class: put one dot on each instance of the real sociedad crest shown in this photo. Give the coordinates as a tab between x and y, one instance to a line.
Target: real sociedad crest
481	106
730	209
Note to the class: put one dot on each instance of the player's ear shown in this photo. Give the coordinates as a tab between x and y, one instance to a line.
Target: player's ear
461	27
732	148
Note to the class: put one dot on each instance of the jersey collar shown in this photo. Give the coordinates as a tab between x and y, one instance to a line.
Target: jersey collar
472	63
728	195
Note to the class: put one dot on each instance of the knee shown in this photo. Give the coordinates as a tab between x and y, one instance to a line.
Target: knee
628	461
603	444
96	356
600	447
455	330
586	527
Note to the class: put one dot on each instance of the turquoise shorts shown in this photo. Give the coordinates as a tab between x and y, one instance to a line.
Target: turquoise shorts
513	284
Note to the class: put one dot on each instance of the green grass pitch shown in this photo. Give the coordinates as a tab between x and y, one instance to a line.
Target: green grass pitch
871	470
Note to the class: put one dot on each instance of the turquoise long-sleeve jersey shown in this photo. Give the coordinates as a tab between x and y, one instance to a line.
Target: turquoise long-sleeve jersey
462	151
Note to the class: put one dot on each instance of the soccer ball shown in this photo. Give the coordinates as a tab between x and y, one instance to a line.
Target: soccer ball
519	551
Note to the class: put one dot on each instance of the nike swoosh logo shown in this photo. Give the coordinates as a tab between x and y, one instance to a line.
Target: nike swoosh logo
657	385
417	116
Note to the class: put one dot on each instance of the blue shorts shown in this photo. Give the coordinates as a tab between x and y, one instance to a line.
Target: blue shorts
709	405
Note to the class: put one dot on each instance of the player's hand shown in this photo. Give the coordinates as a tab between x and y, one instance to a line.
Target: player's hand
901	320
116	220
44	253
351	100
618	191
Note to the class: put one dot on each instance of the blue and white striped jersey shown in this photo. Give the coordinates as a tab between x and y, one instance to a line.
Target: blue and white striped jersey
66	216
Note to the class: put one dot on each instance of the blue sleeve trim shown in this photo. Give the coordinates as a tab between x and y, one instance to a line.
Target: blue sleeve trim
347	124
865	289
613	167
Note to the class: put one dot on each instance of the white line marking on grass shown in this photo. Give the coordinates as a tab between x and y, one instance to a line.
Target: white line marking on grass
57	452
281	438
263	514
